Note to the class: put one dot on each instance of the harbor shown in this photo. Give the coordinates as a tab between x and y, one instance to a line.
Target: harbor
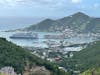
42	41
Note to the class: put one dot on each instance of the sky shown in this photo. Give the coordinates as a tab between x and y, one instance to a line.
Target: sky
48	8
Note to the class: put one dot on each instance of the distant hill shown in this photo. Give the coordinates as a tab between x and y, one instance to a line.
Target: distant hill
22	60
78	22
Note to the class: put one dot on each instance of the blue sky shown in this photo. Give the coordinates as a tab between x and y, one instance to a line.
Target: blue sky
48	8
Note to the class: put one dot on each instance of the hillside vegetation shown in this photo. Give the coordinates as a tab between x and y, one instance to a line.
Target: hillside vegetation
18	58
89	57
94	71
87	61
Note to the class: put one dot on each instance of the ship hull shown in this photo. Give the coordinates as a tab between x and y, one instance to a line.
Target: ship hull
23	37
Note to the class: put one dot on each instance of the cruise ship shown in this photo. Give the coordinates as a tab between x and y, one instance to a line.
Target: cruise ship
25	35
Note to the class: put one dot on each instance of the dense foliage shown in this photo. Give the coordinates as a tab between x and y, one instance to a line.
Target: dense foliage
85	60
89	57
17	57
95	71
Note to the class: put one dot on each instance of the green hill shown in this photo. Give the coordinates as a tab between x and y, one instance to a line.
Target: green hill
87	61
18	58
95	71
89	57
78	22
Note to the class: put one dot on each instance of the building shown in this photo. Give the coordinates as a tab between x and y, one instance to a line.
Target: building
8	71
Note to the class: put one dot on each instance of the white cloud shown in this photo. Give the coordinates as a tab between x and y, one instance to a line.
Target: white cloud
33	3
96	5
76	1
7	3
50	4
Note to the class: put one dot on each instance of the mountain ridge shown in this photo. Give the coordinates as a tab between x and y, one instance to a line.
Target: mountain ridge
78	22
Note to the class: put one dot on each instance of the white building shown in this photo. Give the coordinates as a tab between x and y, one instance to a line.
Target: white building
7	71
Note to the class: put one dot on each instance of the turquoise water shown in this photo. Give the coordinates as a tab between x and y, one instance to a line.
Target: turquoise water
40	42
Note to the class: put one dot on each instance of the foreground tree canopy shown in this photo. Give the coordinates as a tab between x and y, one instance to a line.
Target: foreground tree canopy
17	57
